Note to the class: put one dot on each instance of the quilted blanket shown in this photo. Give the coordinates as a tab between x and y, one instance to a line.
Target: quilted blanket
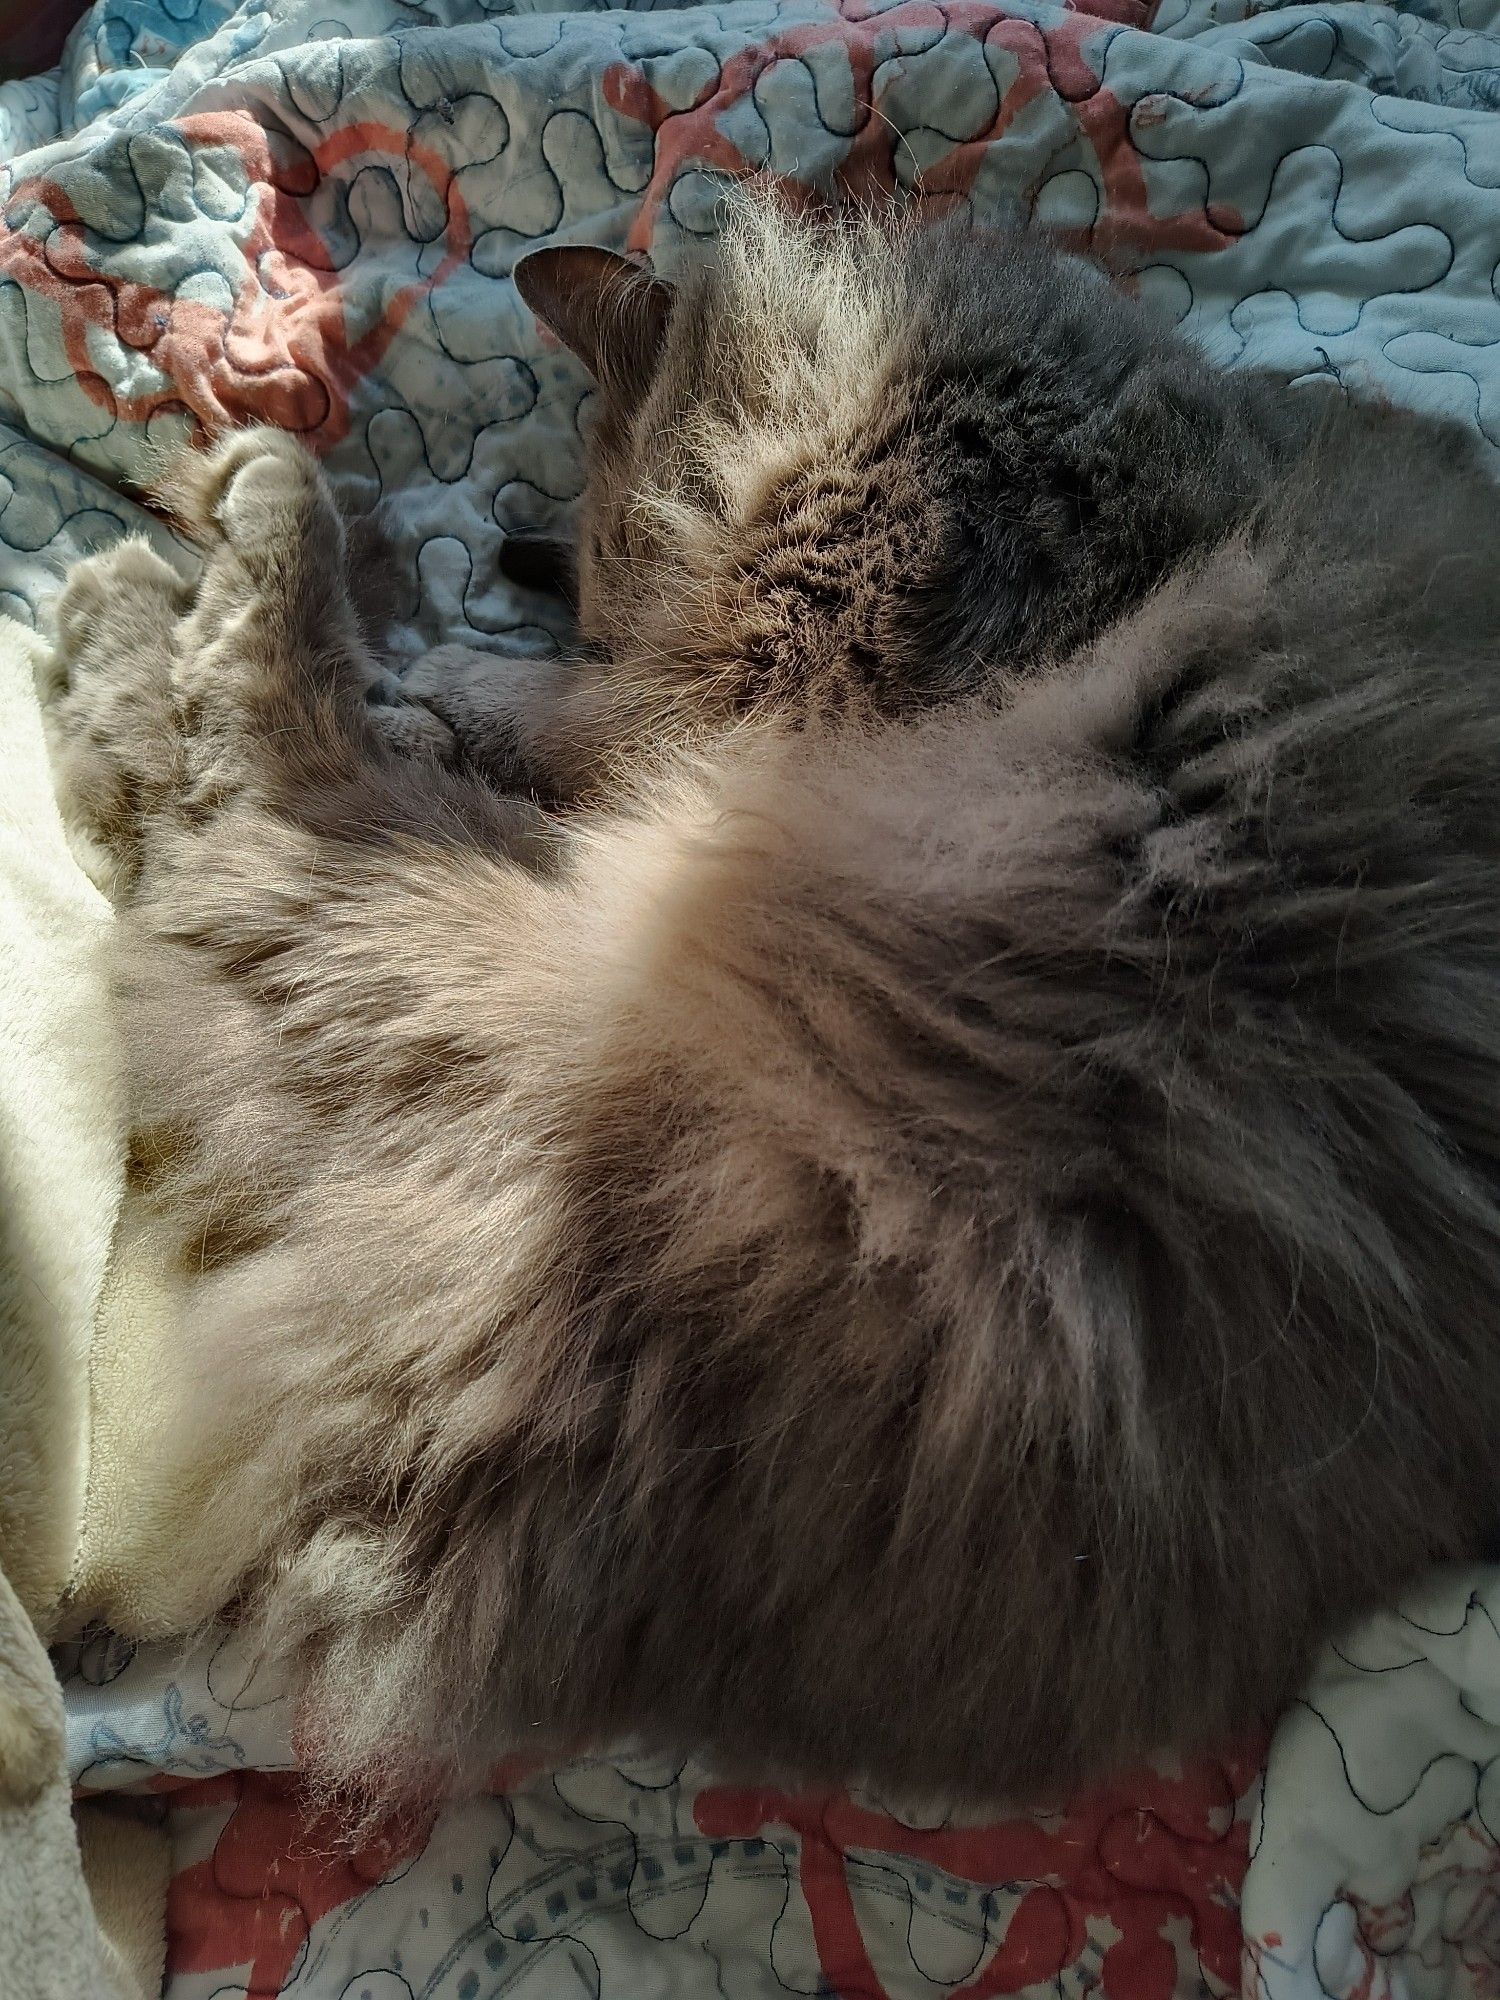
1358	1860
306	211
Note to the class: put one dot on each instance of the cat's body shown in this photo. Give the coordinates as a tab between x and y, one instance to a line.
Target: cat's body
944	1225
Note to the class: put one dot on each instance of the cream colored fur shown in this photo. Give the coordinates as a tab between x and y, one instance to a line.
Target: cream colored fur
831	328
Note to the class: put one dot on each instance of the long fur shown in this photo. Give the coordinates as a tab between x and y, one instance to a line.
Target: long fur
940	1224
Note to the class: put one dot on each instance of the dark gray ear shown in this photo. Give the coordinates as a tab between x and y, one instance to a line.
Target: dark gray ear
610	312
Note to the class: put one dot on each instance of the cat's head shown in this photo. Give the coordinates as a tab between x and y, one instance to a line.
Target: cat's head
797	451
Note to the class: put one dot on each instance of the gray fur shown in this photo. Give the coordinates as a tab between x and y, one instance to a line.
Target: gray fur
943	1222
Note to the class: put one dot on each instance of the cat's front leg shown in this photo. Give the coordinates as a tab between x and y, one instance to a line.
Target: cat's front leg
525	725
107	698
273	678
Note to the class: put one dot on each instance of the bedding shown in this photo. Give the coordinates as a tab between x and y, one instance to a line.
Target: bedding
1356	1858
305	211
62	1128
50	1945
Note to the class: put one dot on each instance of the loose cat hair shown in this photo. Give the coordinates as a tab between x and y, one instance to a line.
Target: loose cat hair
889	1172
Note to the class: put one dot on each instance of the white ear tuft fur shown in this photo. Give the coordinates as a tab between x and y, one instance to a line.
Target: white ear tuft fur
820	324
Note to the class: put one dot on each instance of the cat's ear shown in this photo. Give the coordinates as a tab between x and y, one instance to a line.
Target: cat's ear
612	314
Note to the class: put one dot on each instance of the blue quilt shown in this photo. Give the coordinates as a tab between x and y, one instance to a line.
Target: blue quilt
306	211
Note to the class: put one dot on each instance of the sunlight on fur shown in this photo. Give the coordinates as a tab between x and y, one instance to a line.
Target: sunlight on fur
823	322
910	1131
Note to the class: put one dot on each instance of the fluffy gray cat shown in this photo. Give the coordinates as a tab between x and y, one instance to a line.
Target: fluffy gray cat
893	1171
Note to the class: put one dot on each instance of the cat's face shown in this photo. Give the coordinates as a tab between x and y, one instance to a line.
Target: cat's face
763	503
853	462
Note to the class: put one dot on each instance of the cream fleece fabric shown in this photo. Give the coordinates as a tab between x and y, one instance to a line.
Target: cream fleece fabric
50	1945
61	1180
127	1866
94	1523
61	1150
142	1563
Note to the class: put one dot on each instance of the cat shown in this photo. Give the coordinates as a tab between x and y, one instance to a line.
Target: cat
890	1172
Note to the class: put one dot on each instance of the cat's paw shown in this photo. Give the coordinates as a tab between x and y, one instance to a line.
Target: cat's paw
415	731
274	555
114	617
469	696
259	491
409	727
498	709
107	694
475	694
439	679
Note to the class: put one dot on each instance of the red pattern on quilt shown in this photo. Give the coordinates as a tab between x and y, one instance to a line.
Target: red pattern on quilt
1133	1856
290	350
1144	1873
1050	59
278	1865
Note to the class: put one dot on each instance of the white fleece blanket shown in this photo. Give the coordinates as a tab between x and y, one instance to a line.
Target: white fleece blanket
59	1185
61	1130
50	1946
